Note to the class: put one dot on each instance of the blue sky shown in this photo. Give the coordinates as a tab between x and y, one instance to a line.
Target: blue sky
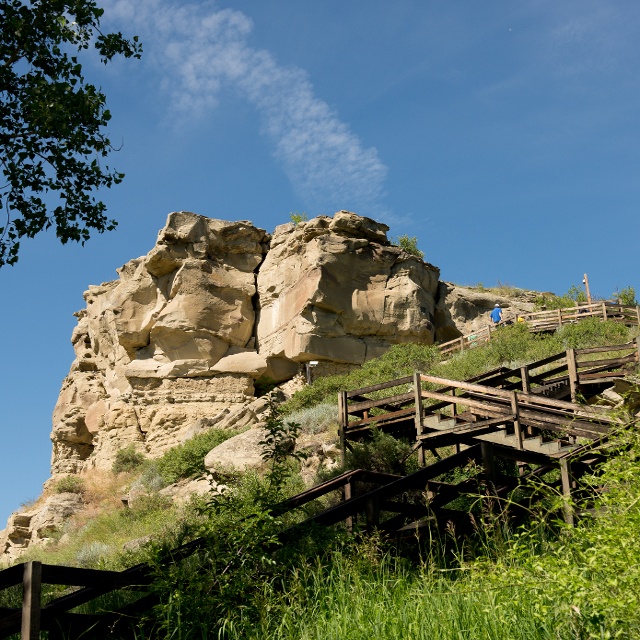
504	135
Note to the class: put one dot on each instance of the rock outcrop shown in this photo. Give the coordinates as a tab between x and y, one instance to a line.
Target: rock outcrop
335	289
463	310
186	331
38	525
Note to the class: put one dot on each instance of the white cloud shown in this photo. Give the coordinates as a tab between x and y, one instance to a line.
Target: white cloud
199	49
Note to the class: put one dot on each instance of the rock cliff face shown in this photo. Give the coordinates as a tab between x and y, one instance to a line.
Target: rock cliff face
178	341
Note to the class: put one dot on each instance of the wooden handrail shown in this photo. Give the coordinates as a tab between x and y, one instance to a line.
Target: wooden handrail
549	319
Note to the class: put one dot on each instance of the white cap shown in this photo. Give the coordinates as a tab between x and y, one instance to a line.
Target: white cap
496	305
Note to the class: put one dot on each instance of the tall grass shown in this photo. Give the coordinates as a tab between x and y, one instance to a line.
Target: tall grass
544	581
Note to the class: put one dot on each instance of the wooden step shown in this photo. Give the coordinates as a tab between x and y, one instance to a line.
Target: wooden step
535	444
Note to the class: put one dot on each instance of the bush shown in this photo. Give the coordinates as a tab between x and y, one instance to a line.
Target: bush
591	333
551	301
70	484
382	453
187	460
410	245
93	554
127	459
297	218
627	296
318	419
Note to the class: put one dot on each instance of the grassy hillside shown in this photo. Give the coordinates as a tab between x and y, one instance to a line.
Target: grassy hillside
539	581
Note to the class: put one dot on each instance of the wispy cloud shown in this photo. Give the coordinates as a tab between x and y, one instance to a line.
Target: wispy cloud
198	49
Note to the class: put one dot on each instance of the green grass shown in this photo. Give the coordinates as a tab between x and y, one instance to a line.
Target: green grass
510	346
544	581
99	543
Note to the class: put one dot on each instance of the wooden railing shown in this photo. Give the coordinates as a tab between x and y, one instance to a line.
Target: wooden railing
502	399
55	617
551	320
517	397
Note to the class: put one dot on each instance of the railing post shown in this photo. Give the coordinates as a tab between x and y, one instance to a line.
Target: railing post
372	512
526	388
567	480
489	464
343	421
417	390
572	368
346	495
31	589
454	413
559	317
604	311
638	315
638	349
516	419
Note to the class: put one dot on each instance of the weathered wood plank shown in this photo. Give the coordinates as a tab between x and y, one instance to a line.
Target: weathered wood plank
467	386
389	400
77	577
469	402
12	576
609	362
379	387
383	419
615	347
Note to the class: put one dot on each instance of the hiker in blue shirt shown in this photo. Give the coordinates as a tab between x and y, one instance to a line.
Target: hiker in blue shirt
496	315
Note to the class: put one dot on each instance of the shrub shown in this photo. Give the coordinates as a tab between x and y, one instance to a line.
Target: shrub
626	296
316	419
70	484
591	333
297	218
93	554
382	453
222	584
127	459
576	293
410	245
187	460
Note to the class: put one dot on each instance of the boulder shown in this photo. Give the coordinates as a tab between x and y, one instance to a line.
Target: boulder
50	518
240	453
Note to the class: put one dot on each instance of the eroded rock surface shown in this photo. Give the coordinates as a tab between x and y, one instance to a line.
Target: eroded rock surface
334	288
181	337
147	344
463	310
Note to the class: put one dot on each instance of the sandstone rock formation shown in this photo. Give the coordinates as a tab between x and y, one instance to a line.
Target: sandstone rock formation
37	526
146	343
333	288
180	339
